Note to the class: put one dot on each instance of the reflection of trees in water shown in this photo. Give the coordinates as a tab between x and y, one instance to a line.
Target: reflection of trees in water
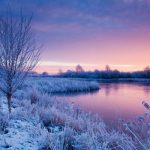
76	94
146	90
109	87
114	87
107	90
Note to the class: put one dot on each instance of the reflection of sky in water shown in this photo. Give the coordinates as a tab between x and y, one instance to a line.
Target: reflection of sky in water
115	100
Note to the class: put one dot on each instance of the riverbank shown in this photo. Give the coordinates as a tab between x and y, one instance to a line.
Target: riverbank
60	85
138	80
50	124
40	121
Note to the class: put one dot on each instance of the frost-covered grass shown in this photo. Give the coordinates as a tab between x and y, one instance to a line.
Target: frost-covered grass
60	85
56	125
40	121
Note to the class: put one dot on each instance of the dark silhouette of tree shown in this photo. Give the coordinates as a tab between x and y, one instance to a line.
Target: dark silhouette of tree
147	68
79	68
107	68
44	74
147	72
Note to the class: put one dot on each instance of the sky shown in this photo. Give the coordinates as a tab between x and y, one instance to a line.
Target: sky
92	33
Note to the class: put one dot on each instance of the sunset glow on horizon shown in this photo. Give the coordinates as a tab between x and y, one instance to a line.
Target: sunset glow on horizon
90	33
56	67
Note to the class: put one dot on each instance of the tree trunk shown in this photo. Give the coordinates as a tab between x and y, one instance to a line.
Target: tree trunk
9	102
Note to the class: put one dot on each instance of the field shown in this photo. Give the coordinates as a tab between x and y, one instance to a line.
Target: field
40	121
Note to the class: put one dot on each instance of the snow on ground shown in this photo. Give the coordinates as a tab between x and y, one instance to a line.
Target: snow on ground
41	122
18	136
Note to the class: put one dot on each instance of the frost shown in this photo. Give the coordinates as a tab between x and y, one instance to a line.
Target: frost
40	121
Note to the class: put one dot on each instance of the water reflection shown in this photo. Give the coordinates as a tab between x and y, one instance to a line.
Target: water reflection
75	94
115	100
109	87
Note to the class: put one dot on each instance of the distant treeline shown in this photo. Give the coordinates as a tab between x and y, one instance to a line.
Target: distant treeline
115	74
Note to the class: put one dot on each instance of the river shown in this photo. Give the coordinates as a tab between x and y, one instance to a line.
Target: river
114	100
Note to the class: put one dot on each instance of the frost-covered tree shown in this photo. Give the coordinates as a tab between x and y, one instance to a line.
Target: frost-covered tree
19	53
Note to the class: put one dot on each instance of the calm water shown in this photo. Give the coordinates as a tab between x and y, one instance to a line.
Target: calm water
115	100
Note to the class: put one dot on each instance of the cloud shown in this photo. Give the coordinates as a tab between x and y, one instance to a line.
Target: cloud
78	17
137	1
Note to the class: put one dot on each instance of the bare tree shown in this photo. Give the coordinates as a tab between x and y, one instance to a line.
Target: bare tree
147	68
107	68
79	68
18	52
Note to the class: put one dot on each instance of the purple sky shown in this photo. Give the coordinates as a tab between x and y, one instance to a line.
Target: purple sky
92	33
